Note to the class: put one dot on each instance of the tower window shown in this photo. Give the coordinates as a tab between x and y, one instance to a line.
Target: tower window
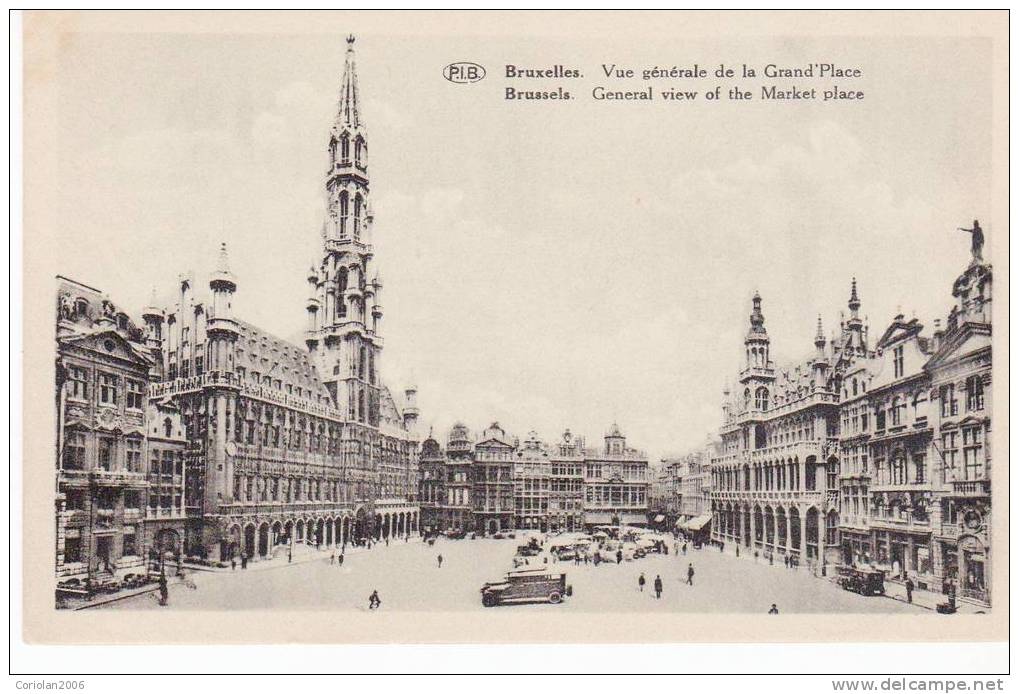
344	212
358	203
898	361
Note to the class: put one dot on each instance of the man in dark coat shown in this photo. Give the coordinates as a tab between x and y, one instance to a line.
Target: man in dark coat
164	592
689	575
640	583
658	587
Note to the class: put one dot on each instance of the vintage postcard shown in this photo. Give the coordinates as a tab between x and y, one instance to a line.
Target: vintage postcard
515	327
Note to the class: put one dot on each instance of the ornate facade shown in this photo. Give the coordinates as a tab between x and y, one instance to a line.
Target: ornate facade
102	373
863	456
292	444
775	481
499	483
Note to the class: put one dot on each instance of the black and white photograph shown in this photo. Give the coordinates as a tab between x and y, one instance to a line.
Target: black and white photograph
473	327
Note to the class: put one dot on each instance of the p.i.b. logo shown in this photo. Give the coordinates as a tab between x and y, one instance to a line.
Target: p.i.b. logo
463	72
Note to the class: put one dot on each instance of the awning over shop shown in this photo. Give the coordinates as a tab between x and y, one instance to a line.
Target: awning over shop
659	518
699	522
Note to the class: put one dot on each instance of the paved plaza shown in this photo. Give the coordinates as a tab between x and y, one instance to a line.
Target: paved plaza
407	577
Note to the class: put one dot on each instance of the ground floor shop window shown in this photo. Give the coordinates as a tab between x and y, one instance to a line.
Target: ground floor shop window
130	546
72	549
974	572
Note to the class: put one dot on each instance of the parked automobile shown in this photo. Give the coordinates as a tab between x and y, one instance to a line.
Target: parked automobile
566	552
527	585
862	581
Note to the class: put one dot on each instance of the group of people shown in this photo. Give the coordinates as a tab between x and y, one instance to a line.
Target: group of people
658	585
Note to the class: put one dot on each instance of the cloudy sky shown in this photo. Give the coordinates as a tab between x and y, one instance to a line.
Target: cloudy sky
544	264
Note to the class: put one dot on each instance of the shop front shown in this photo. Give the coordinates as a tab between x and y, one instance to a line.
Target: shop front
905	554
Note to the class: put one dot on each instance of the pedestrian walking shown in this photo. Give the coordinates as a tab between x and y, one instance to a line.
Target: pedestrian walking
689	575
340	560
233	563
774	609
244	561
619	556
658	587
374	602
684	549
737	551
164	592
332	557
640	582
440	561
909	590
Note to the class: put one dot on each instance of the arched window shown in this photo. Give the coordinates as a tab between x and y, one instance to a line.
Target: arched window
898	467
920	404
746	399
341	288
359	150
168	427
896	410
344	212
855	384
762	399
833	473
345	148
974	393
358	203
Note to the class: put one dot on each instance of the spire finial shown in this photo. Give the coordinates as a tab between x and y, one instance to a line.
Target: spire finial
348	112
224	262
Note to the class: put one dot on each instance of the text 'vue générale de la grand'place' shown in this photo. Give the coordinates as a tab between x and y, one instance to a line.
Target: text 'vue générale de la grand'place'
824	82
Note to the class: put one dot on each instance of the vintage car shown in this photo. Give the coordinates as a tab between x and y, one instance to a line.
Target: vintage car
527	585
528	551
862	581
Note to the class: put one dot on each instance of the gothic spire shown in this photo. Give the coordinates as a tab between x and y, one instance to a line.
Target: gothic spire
854	300
756	317
222	277
348	113
223	264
